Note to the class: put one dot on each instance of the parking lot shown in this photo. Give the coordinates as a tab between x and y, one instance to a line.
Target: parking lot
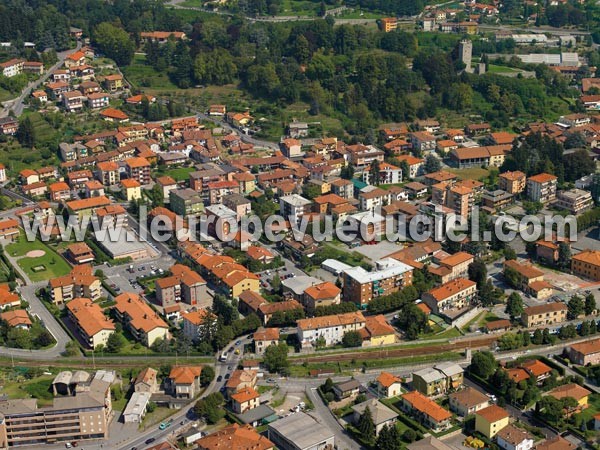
120	276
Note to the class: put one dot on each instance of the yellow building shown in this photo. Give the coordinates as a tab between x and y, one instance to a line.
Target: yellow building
86	206
239	282
489	421
133	189
377	332
573	390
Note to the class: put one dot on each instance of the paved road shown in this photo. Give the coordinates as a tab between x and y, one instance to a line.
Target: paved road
244	137
17	105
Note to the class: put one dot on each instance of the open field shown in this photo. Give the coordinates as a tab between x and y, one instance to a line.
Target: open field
53	264
473	173
141	75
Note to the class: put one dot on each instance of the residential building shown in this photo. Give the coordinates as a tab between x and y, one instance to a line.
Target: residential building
167	184
237	437
217	190
290	433
452	267
429	442
241	379
415	165
73	101
542	187
87	414
346	389
186	202
195	324
107	172
586	264
293	207
343	188
452	297
381	414
87	206
389	276
496	200
135	410
183	381
468	401
575	391
72	152
146	381
263	338
16	318
439	379
230	277
513	438
377	332
490	156
80	253
9	229
244	400
291	147
373	197
161	36
528	278
9	125
8	299
324	294
59	191
426	411
113	82
575	201
267	310
388	24
422	141
184	285
79	283
512	182
388	174
556	443
92	324
98	100
330	328
138	169
12	67
545	314
585	353
142	321
388	385
489	421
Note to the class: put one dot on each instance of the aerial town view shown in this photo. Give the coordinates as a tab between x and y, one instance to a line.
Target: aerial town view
300	224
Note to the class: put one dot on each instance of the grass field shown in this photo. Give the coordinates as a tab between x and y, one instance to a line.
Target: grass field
492	68
38	388
179	174
141	75
473	173
55	265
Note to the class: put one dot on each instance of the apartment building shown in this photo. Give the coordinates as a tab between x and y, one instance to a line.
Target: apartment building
184	285
230	277
112	216
196	323
138	169
452	267
422	141
98	100
72	152
59	191
389	276
293	207
93	326
183	381
373	197
263	338
113	82
217	190
451	297
439	379
489	421
140	319
529	279
244	400
542	188
585	353
546	314
186	202
330	328
415	165
9	229
324	294
237	437
388	24
362	156
388	174
87	206
512	182
586	264
80	417
575	201
343	188
426	411
73	101
79	283
468	401
490	156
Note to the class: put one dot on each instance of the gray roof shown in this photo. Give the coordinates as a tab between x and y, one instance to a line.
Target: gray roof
221	211
348	385
137	403
295	200
185	194
379	411
235	199
301	429
429	374
126	243
389	268
449	368
299	284
20	406
255	414
428	443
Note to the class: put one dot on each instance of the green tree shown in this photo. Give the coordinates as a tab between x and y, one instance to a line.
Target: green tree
514	305
207	375
432	164
115	343
590	304
211	408
483	364
576	307
389	438
276	358
564	254
352	339
538	338
26	133
114	42
375	173
71	349
478	272
366	426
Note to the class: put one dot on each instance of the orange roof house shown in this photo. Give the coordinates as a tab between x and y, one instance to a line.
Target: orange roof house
235	437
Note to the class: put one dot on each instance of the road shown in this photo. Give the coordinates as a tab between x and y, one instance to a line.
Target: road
245	138
17	105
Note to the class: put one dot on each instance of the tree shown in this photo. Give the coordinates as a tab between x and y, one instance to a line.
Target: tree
71	349
114	42
590	304
576	307
374	173
389	438
115	343
409	435
26	133
564	254
432	164
366	426
509	253
276	357
210	408
478	272
207	375
352	339
483	364
514	306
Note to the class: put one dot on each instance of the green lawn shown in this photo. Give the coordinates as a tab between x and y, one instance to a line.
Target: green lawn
37	388
178	174
492	68
54	264
472	173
